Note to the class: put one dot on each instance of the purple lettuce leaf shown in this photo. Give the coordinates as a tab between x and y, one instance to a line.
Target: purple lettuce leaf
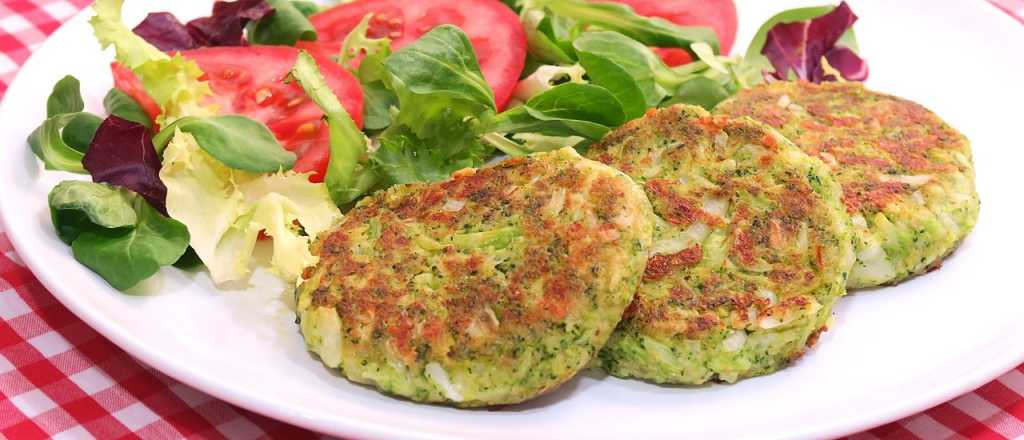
799	47
224	27
163	30
848	63
122	154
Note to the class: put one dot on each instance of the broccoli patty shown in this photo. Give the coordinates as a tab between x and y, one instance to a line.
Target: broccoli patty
751	248
489	288
907	176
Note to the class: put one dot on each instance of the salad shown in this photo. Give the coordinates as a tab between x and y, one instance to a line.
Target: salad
268	119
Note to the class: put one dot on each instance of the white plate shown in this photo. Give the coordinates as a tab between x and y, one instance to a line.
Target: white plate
892	352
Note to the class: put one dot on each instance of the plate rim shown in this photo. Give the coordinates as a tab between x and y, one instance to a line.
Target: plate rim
350	426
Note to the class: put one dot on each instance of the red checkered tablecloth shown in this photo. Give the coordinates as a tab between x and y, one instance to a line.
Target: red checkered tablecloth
61	379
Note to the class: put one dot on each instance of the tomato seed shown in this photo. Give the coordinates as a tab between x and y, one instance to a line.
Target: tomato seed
263	94
305	129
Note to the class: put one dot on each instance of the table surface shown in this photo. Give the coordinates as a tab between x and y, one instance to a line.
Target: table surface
61	379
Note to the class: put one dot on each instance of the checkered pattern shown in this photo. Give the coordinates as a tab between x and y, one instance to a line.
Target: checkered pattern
1014	7
60	379
24	24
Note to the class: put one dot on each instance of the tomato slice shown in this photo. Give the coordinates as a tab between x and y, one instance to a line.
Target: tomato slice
250	81
493	29
720	15
126	81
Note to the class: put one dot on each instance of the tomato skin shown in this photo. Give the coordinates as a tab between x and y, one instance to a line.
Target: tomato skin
720	15
316	159
250	81
126	81
493	29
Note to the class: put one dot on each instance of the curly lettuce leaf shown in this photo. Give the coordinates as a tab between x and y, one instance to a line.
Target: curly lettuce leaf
132	50
405	157
226	209
176	87
359	43
173	82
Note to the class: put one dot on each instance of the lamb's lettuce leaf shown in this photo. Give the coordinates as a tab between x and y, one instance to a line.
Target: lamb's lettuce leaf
125	257
50	147
115	232
702	92
606	55
62	139
568	109
288	24
623	19
441	64
549	37
76	206
307	8
624	67
545	78
237	141
442	97
349	176
119	104
66	97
